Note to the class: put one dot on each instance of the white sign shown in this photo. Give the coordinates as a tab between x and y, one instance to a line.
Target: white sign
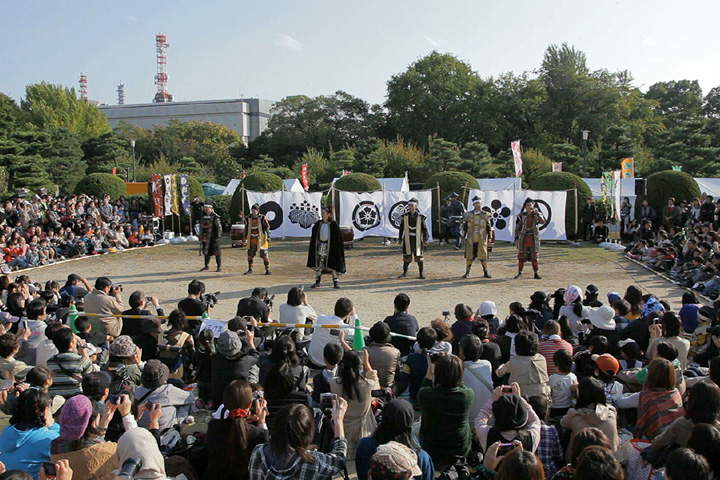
215	326
395	206
364	212
300	212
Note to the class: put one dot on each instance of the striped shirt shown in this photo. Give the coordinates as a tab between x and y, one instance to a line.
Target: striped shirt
547	349
67	369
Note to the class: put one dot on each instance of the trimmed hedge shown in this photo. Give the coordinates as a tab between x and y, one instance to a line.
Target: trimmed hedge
357	182
195	188
222	208
554	181
256	182
100	184
449	182
663	185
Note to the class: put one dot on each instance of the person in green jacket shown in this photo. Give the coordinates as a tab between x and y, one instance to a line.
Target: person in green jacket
445	404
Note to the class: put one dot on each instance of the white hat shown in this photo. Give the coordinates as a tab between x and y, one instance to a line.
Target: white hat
487	308
603	317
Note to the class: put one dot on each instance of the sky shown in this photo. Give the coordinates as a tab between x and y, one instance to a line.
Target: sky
271	48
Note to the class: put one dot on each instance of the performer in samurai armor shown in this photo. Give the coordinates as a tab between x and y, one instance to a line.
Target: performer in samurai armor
210	231
527	236
413	237
327	250
479	236
257	235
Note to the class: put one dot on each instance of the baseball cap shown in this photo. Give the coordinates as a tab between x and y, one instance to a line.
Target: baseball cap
392	461
606	363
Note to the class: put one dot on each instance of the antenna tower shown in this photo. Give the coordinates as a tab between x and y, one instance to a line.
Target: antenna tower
161	77
83	87
121	94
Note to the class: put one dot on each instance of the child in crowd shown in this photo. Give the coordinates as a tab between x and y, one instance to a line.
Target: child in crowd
332	354
606	369
84	331
630	352
584	364
415	367
549	450
9	347
562	384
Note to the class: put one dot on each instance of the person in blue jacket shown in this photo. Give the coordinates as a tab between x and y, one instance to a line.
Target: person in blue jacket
25	443
396	425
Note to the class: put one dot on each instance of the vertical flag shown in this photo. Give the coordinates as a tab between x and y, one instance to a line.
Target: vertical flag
517	156
184	194
557	166
304	177
175	199
157	198
168	193
627	168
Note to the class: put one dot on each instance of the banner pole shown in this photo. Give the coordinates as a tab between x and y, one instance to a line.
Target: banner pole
439	210
331	201
576	213
242	205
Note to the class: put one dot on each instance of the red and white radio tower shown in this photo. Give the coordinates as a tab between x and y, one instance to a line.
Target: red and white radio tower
161	78
83	87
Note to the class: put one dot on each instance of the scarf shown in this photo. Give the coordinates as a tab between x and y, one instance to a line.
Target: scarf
140	443
658	408
572	293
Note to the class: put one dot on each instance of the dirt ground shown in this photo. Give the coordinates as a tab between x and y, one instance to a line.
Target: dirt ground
371	282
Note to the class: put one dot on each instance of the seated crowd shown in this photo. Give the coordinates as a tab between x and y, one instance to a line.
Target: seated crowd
39	230
574	385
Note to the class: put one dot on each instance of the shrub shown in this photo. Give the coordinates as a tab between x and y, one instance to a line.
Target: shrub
195	188
357	182
256	182
555	181
663	185
99	184
449	182
222	208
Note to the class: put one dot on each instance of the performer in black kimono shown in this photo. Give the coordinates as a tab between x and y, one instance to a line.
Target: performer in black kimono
413	237
327	250
210	231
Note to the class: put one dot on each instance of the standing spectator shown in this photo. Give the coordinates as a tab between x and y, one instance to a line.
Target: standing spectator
106	299
552	342
445	404
403	323
355	387
587	218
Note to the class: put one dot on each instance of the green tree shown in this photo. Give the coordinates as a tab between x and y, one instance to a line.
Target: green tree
343	160
432	98
10	115
24	166
535	164
320	171
677	99
53	106
570	156
106	152
64	155
616	145
444	155
475	159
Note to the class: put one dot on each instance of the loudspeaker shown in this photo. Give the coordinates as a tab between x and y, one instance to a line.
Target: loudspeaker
640	186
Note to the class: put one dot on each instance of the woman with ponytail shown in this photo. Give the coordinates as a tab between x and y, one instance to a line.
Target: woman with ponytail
25	443
282	374
231	440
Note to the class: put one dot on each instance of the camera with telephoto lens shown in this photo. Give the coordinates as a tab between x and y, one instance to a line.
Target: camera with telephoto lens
210	299
130	468
269	301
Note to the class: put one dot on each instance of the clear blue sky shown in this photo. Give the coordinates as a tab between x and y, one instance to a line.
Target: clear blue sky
271	49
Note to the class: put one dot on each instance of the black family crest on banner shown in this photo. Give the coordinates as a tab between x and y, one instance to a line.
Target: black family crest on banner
396	213
305	214
274	214
499	214
366	215
546	211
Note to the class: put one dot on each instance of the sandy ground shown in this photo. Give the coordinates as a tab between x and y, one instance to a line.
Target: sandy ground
371	282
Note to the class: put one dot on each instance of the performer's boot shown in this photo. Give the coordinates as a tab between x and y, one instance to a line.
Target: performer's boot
317	282
405	270
467	270
421	268
485	270
218	262
250	264
520	269
207	264
266	261
535	268
336	284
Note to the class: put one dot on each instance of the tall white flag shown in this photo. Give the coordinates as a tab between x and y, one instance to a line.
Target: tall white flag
301	210
363	212
271	206
395	206
500	205
517	156
552	208
168	180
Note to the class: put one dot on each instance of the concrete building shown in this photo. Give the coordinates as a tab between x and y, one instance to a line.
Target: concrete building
249	117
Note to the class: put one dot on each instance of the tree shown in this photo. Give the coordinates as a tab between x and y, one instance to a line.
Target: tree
475	159
23	164
53	106
106	152
677	99
444	155
432	98
343	160
616	145
64	155
535	164
569	155
320	171
10	115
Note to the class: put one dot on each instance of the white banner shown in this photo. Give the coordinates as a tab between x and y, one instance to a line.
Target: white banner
552	207
364	212
395	206
500	205
301	211
168	193
270	206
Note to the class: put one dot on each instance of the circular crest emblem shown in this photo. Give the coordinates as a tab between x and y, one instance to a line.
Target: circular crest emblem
366	216
396	213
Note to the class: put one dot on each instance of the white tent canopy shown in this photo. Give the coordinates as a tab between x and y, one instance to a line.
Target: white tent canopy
627	187
293	185
514	183
232	186
711	186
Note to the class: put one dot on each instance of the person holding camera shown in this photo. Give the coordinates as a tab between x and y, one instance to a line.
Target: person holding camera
138	301
257	305
297	309
235	358
507	417
68	366
288	454
231	440
105	299
194	305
